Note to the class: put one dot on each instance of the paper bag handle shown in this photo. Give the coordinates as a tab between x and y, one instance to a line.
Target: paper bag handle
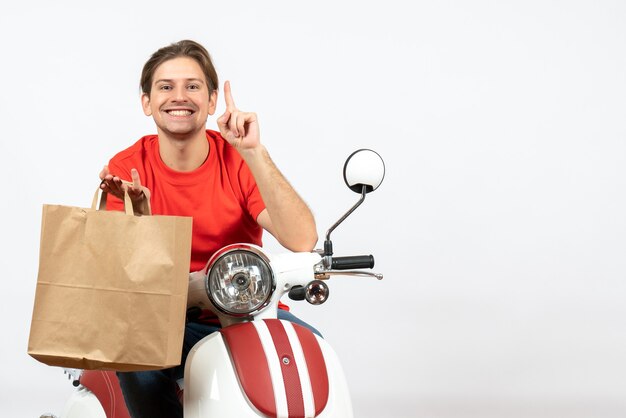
128	204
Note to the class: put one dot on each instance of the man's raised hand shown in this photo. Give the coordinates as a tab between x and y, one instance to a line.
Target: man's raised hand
240	129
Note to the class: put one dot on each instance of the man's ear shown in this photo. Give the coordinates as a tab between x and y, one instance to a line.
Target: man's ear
145	104
212	102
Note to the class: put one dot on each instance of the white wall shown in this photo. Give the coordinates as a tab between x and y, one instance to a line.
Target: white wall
501	223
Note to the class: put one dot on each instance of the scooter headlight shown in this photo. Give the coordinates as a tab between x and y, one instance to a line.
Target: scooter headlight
240	280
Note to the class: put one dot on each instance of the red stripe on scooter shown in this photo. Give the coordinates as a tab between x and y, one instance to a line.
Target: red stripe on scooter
316	365
291	378
248	356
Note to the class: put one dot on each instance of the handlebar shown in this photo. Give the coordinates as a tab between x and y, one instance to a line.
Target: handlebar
352	262
297	293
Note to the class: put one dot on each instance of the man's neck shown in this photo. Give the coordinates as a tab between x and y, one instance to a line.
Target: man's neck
183	153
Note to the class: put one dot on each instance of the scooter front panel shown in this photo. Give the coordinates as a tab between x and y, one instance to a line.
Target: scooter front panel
316	367
295	366
339	402
248	356
211	386
213	389
285	368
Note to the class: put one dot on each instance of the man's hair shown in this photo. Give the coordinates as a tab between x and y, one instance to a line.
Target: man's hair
184	48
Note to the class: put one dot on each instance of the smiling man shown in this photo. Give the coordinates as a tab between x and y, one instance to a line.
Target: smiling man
225	180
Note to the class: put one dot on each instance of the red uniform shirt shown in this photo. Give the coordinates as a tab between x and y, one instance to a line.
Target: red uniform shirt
221	195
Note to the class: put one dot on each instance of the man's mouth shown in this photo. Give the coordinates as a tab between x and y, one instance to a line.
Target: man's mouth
179	112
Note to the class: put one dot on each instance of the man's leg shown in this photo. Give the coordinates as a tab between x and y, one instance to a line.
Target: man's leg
150	394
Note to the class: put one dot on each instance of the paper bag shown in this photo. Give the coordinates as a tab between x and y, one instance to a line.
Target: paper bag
111	290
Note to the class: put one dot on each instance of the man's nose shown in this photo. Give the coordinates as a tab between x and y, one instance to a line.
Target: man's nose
180	94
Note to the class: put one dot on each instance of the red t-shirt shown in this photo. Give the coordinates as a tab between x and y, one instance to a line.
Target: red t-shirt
221	195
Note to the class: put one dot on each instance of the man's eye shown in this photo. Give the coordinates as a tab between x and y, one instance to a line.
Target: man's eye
193	87
165	87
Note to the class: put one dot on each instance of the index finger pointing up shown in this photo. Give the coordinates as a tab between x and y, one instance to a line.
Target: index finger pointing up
230	103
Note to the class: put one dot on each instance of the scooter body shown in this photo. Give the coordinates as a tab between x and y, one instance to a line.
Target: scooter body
267	368
256	365
98	395
263	367
83	403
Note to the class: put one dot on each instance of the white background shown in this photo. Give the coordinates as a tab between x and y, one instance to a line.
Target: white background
501	223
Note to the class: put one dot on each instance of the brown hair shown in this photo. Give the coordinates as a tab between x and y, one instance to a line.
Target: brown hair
184	48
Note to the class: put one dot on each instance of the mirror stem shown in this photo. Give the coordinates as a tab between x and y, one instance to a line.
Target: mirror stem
328	245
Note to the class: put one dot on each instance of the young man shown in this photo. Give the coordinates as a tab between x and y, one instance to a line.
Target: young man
226	181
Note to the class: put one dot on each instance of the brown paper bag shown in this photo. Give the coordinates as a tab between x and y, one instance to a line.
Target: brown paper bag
112	289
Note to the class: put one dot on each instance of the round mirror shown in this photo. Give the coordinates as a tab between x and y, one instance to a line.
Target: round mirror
364	167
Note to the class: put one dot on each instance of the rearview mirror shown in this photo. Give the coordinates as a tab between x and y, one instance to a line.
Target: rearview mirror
364	167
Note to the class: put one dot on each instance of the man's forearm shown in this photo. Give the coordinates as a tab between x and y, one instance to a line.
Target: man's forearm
292	222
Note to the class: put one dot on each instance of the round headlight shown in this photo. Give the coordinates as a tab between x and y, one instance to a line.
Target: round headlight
240	280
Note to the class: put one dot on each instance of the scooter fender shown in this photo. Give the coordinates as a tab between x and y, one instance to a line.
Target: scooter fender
266	368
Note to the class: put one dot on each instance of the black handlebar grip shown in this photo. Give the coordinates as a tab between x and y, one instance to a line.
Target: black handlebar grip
297	293
353	262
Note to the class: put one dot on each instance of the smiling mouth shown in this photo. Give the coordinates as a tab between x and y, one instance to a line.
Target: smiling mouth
179	112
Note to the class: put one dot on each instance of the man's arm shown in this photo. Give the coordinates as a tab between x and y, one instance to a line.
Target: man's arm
286	216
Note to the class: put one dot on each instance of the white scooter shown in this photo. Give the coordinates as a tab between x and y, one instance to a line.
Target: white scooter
257	365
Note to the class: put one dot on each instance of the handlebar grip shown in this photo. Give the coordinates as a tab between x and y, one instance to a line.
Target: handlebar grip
297	293
353	262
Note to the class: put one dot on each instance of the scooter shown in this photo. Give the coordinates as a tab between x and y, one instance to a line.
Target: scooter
257	365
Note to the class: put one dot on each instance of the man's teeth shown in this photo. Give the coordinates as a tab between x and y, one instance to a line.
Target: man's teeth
179	112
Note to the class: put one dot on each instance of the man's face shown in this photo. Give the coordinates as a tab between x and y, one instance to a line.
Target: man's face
179	101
